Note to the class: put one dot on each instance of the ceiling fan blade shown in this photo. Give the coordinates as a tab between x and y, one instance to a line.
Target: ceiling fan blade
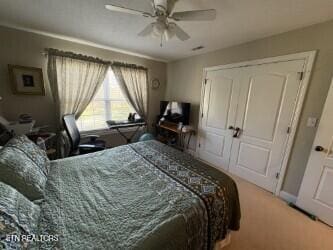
127	10
179	32
153	7
196	15
148	30
171	6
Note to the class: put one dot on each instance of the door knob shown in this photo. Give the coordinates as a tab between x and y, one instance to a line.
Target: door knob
237	132
319	148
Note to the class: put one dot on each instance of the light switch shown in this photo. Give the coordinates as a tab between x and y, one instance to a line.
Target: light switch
312	122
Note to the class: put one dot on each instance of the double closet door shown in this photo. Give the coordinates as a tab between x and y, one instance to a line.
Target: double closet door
246	117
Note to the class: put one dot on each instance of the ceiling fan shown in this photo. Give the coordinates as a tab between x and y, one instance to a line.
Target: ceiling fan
164	26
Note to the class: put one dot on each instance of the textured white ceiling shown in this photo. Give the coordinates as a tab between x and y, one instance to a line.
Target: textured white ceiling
238	21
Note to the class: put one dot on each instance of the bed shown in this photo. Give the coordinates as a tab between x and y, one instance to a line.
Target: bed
139	196
144	195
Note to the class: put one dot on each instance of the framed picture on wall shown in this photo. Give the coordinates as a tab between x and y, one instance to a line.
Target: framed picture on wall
26	80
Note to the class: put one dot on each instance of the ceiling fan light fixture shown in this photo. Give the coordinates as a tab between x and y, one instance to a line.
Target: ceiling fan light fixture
159	28
163	11
169	34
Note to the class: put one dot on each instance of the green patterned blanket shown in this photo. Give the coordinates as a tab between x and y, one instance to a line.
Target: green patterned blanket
140	196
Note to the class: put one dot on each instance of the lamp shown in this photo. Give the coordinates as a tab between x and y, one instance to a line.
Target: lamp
159	28
168	34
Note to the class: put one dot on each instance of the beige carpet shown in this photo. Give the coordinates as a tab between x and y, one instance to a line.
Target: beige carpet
268	223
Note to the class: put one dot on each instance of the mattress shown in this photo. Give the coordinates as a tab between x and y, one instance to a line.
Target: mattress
139	196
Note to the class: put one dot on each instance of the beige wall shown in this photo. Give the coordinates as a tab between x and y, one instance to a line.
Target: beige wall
184	78
184	82
23	48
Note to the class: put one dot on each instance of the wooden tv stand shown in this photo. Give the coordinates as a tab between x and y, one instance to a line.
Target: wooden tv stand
169	133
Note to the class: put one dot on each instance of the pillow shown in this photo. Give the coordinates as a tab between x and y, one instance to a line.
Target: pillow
35	153
18	217
21	172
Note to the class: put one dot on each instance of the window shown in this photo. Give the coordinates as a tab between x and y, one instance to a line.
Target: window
108	104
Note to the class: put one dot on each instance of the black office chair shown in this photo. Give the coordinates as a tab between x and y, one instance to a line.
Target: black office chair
73	133
5	135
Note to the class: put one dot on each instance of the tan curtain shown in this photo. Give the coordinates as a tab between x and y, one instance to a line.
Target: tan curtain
133	81
74	80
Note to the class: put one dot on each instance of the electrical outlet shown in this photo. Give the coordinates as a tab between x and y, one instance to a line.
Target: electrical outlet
312	122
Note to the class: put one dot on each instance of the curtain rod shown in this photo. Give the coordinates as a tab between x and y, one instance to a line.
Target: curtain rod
57	52
128	65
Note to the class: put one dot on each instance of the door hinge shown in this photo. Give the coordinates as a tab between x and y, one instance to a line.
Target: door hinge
288	130
300	75
277	175
201	115
199	145
206	80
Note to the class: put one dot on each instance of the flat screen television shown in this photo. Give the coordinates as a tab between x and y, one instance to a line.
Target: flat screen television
175	112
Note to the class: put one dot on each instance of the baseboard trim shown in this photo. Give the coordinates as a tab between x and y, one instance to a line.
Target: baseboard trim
288	197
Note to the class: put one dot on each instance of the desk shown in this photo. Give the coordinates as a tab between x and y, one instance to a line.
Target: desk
182	133
126	124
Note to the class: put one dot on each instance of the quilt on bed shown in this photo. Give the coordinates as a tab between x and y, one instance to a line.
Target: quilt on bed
140	196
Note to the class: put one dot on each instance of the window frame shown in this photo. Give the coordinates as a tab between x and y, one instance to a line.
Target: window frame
107	101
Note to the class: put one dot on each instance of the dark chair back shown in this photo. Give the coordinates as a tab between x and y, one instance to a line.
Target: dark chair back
72	131
5	135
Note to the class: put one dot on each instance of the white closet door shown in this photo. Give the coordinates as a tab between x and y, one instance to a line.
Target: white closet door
266	105
316	193
220	99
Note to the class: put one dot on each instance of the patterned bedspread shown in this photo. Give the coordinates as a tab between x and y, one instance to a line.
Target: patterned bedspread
140	196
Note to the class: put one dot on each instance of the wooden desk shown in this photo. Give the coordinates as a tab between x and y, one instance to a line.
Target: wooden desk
181	133
170	127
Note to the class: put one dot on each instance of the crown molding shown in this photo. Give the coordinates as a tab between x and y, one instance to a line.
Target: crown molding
79	41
